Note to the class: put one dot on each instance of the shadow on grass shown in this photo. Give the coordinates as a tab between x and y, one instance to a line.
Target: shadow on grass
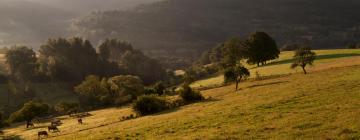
319	57
11	137
166	111
267	84
211	99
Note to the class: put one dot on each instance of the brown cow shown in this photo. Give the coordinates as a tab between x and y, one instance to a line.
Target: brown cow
80	121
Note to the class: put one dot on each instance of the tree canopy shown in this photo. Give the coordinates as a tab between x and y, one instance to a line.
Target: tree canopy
118	90
260	47
21	62
236	74
68	59
29	111
303	57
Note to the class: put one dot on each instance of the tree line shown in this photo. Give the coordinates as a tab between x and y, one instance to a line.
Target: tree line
257	49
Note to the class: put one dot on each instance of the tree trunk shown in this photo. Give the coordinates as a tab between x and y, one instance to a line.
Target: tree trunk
28	123
303	68
258	64
237	84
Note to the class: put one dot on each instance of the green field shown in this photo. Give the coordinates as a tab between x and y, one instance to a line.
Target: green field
326	59
325	104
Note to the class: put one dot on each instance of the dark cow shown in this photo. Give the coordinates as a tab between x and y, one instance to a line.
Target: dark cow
80	121
53	128
30	124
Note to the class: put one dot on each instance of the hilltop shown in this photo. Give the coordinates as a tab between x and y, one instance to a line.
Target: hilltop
321	105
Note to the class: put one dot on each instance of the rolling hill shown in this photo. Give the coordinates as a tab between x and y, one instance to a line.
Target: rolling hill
197	25
321	105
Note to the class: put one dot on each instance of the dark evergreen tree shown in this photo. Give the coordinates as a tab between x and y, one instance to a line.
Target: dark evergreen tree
260	47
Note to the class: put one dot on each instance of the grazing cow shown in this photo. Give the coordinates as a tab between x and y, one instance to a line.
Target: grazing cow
42	133
53	128
80	121
56	122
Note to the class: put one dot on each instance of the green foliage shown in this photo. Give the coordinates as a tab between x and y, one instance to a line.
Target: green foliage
126	86
159	88
93	93
136	63
232	52
236	74
113	49
149	90
149	104
260	47
303	57
29	111
189	95
118	90
229	75
68	59
21	63
67	107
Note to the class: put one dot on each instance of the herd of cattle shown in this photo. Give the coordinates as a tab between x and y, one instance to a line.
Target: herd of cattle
53	127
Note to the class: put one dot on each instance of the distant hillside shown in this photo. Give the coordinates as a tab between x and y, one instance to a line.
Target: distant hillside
200	24
31	22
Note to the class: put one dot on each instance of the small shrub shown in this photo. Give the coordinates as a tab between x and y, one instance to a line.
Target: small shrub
189	95
149	104
149	91
66	107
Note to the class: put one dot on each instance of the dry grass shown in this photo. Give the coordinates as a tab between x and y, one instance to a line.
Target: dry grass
326	59
324	104
321	105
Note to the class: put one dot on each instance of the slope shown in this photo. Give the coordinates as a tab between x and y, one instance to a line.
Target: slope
178	25
321	105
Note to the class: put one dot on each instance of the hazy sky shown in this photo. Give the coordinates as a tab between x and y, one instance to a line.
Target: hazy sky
34	21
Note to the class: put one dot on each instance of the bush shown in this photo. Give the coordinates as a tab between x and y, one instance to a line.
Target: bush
67	108
189	95
99	92
149	104
149	90
29	111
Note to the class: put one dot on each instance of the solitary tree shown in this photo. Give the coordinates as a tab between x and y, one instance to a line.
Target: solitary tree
29	111
237	73
260	47
303	57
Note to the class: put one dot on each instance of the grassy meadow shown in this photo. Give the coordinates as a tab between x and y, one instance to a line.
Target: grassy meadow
325	104
326	59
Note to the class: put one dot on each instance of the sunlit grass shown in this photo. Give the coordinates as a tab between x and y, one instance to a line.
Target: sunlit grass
321	105
326	59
